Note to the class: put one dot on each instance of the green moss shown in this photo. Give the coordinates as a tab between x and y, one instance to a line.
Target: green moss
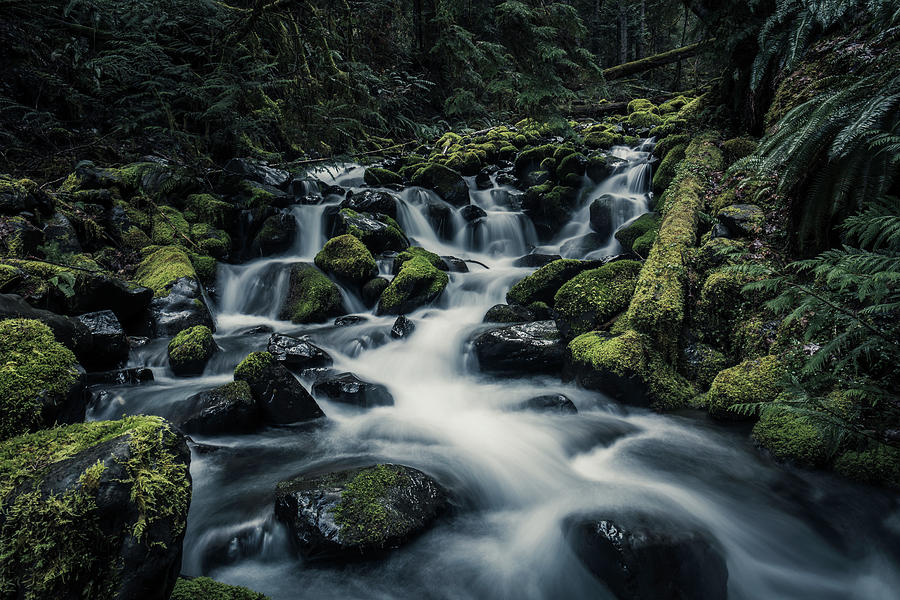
211	210
664	145
417	283
53	544
573	163
312	297
347	257
204	588
34	369
666	170
738	148
191	344
674	105
645	224
543	284
135	239
211	241
162	267
416	251
878	465
642	119
252	366
602	138
791	437
169	227
644	243
722	304
377	176
530	159
548	165
361	514
641	105
706	364
9	277
756	380
592	298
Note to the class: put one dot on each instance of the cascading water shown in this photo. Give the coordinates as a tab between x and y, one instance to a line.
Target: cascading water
515	475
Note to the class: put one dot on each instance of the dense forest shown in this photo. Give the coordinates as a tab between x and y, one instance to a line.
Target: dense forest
449	299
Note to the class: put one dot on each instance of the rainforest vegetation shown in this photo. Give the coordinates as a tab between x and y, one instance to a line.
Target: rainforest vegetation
535	231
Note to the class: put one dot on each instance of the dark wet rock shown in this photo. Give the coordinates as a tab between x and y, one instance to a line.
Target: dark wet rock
82	526
297	353
258	172
276	235
59	230
584	245
525	348
640	557
455	265
190	350
312	296
440	216
350	320
509	313
181	309
472	213
403	328
68	331
256	330
741	220
602	211
542	285
109	345
373	289
333	190
378	233
280	397
347	388
372	201
20	195
447	183
536	260
558	403
358	513
307	187
719	231
483	180
226	409
506	177
130	376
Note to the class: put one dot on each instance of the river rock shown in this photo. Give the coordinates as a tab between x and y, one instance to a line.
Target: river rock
542	285
226	409
483	180
350	320
376	232
455	265
509	313
109	345
552	403
130	376
583	245
403	328
81	526
601	211
280	397
259	172
70	332
741	220
312	297
440	216
472	213
525	348
643	558
371	201
536	260
297	353
418	283
182	308
276	235
447	183
347	388
190	350
373	289
358	513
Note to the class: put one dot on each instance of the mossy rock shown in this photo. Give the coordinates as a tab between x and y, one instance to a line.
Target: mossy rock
18	195
644	228
665	173
162	267
447	183
738	148
346	257
722	303
644	119
875	465
530	160
191	349
542	285
211	210
378	176
592	298
630	368
204	588
10	276
550	207
418	283
602	138
752	381
701	363
312	297
416	251
94	510
211	241
276	235
253	366
38	377
674	105
379	232
791	437
169	227
641	105
574	163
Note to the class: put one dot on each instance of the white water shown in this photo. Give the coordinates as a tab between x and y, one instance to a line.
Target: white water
514	475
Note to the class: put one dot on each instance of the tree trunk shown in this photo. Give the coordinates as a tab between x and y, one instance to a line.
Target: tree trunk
652	62
623	32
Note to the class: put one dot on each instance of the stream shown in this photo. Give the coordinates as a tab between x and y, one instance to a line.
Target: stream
514	475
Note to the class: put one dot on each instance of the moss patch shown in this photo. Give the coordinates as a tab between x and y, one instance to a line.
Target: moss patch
879	465
791	437
756	380
417	283
348	258
204	588
162	267
312	297
361	514
592	298
543	284
252	367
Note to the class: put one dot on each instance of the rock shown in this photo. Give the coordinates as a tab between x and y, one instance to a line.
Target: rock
204	588
59	230
371	201
592	298
455	265
358	512
742	220
130	376
308	190
373	289
602	210
640	234
418	283
347	388
69	331
39	379
584	245
550	403
109	346
440	216
719	231
20	195
472	213
190	350
226	409
550	207
483	180
245	168
276	235
525	348
379	233
312	297
349	320
333	190
403	328
280	397
536	259
94	510
506	199
508	313
347	258
183	307
639	557
542	285
415	251
754	380
297	353
447	183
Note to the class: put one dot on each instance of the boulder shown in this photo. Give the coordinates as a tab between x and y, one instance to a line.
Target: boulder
226	409
312	297
509	313
590	299
372	201
379	233
276	235
19	195
601	215
639	235
259	172
68	331
447	183
483	180
297	353
204	588
542	285
402	328
350	320
418	283
348	259
455	265
551	403
130	376
536	259
643	558
190	350
583	245
109	346
741	220
58	230
94	510
357	513
175	288
280	397
373	289
472	213
347	388
415	251
526	348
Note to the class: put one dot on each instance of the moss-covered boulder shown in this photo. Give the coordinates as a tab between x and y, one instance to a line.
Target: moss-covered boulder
39	379
19	195
416	251
372	201
347	258
875	464
178	296
628	367
372	290
791	436
525	348
590	299
742	220
278	395
550	207
639	235
417	284
191	349
162	267
204	588
169	227
358	512
230	408
211	210
377	176
276	235
542	285
701	363
738	148
447	183
94	510
214	242
378	232
756	380
312	297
